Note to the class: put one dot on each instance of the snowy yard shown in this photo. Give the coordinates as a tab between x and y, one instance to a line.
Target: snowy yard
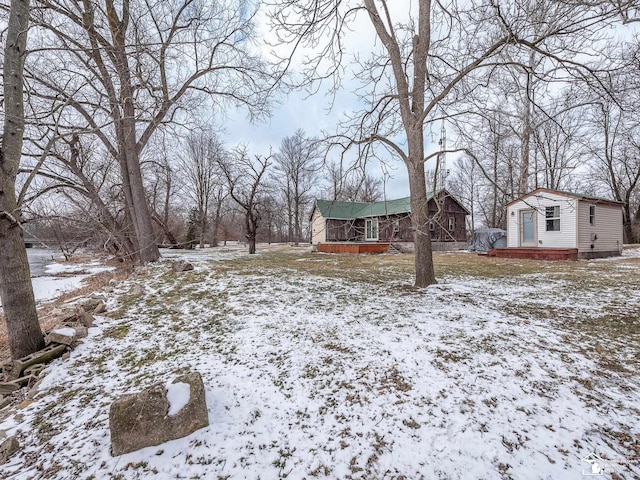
325	366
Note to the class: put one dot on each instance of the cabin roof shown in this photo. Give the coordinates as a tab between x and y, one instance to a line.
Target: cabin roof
348	210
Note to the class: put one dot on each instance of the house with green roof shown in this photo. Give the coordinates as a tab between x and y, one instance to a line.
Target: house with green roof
388	221
544	219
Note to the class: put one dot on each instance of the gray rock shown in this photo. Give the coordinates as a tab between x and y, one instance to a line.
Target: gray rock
67	313
62	337
86	319
7	388
100	308
81	331
8	448
142	420
35	370
94	303
5	400
182	266
89	304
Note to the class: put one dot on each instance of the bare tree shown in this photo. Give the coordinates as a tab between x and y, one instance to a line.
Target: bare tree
219	212
128	68
80	172
427	60
465	183
352	184
557	146
297	165
203	179
16	290
245	179
162	191
615	146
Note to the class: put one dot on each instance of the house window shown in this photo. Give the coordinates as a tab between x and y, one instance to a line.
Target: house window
452	224
552	215
371	229
432	225
396	225
592	214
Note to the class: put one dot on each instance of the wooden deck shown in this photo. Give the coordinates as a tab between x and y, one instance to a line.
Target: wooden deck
535	253
353	247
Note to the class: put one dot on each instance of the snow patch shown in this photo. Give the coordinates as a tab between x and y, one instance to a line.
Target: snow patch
48	288
66	331
178	395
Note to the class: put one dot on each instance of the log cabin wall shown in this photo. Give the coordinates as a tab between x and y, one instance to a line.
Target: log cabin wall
351	230
447	221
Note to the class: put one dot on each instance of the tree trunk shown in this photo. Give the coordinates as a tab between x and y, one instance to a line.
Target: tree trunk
296	221
165	229
494	186
252	227
523	181
128	147
627	224
140	212
425	275
16	290
289	219
215	226
203	227
251	238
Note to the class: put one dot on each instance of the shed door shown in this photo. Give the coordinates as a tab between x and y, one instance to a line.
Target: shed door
528	228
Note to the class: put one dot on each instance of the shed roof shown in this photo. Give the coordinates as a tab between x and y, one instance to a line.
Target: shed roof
579	196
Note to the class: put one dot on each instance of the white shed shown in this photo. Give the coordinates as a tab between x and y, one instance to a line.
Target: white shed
551	219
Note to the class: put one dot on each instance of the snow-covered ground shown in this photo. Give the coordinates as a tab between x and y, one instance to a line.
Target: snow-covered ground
317	375
58	278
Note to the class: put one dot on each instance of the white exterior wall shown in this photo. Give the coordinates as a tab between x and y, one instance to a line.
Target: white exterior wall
565	238
606	234
318	228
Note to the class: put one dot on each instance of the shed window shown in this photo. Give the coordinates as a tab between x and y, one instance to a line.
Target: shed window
592	214
432	225
552	215
452	223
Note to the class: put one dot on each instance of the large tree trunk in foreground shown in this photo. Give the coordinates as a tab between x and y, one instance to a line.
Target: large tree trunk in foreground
16	290
425	274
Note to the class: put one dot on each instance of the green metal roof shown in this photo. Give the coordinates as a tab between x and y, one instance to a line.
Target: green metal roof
347	210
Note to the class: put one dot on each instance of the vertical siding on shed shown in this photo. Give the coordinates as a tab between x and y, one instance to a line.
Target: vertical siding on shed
607	228
513	227
318	228
565	238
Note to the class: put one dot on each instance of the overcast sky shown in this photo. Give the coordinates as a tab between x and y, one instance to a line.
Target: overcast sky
312	114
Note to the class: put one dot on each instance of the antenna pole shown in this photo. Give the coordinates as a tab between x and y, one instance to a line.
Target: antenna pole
442	158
